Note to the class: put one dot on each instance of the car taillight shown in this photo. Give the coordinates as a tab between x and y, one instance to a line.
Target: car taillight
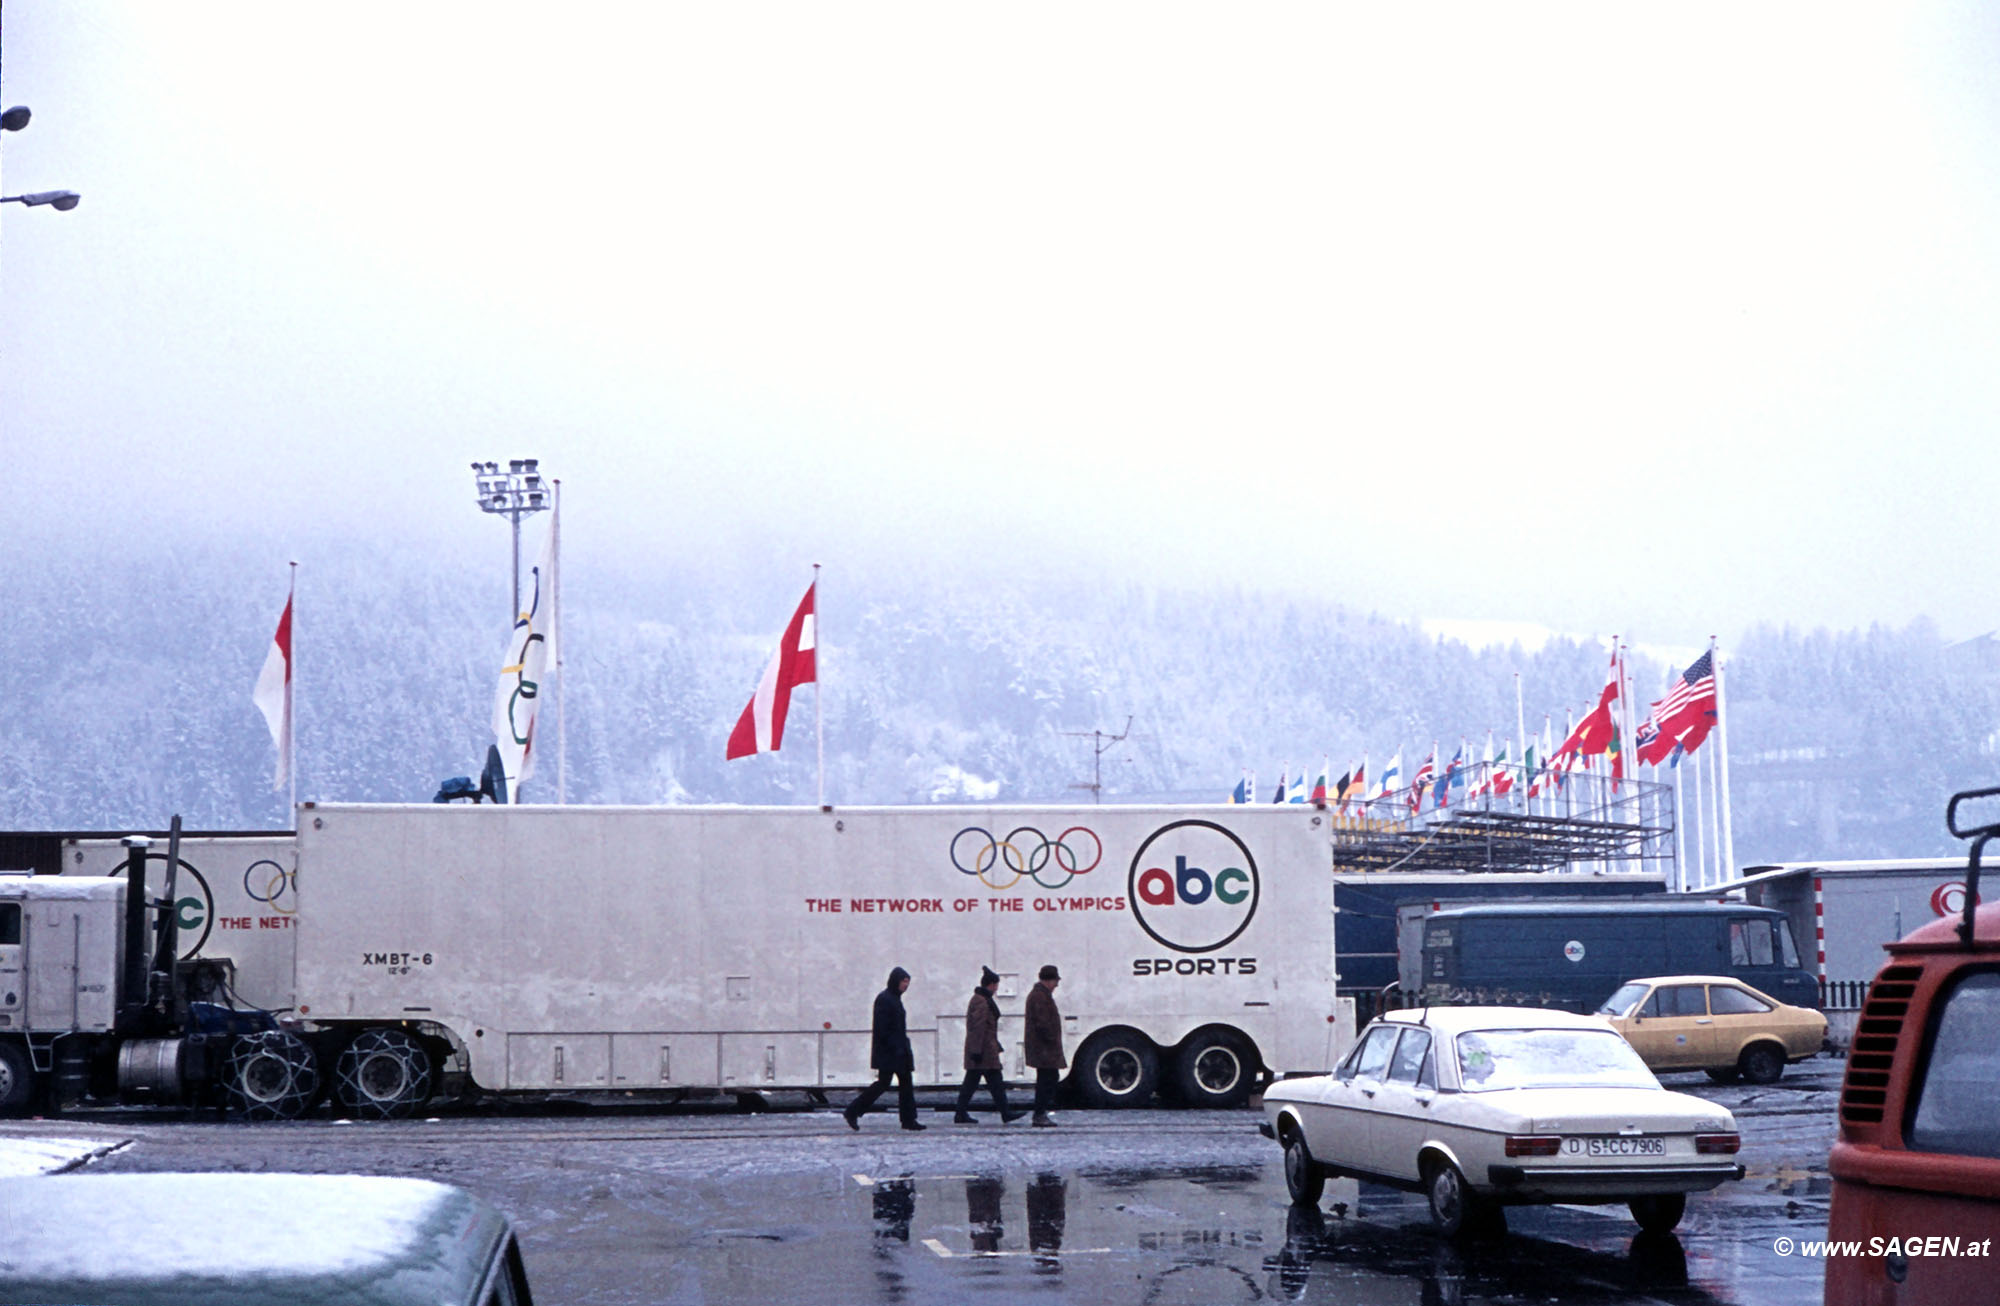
1534	1144
1725	1144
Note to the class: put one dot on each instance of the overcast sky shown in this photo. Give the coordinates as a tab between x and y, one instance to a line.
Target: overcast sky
1603	318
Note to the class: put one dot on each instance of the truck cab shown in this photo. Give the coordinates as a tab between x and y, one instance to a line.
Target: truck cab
1919	1145
1916	1167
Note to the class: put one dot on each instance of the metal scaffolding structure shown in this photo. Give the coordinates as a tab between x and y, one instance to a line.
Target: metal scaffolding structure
1587	824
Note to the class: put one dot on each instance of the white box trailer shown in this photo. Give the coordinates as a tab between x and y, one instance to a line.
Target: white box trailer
580	949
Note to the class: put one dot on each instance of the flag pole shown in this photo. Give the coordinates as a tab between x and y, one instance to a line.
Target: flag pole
1722	757
819	678
1521	733
555	637
291	721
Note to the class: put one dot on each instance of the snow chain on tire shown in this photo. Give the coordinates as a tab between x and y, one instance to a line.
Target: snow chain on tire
384	1074
272	1076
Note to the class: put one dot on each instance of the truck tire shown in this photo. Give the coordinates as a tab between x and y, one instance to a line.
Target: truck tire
272	1076
384	1074
1117	1069
1213	1069
1761	1063
17	1079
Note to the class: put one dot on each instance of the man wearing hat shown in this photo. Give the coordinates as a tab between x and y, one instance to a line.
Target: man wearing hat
1044	1043
982	1051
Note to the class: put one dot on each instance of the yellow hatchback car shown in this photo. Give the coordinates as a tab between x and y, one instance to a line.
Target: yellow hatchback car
1713	1023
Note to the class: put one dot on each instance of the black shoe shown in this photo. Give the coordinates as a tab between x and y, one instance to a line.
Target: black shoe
914	1125
1043	1122
1009	1117
853	1121
963	1119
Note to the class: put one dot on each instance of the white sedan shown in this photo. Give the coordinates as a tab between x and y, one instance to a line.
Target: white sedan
1477	1107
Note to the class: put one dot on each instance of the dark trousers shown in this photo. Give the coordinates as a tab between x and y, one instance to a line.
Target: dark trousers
1046	1079
906	1095
994	1083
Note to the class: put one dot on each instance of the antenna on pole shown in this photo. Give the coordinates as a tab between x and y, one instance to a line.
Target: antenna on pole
1101	743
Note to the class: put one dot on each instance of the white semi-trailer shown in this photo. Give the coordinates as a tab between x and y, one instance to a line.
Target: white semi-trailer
670	950
579	949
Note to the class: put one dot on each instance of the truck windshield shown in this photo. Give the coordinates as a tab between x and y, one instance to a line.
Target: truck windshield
1494	1059
1621	1002
1957	1110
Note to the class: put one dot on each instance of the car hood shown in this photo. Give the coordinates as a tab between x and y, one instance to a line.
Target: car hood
1605	1110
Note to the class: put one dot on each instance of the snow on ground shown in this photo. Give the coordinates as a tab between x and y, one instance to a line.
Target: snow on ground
32	1156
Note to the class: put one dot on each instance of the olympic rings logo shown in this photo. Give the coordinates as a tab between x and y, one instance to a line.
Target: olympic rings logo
1026	853
278	888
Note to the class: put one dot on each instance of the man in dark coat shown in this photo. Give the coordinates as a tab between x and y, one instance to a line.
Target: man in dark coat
891	1056
982	1051
1044	1043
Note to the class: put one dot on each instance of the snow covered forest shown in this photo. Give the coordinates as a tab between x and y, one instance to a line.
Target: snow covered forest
128	694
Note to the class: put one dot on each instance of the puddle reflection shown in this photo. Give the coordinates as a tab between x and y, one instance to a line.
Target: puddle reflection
1335	1260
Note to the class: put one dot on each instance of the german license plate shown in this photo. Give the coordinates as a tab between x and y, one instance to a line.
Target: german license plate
1625	1147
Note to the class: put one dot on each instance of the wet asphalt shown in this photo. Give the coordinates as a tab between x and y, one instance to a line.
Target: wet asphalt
616	1205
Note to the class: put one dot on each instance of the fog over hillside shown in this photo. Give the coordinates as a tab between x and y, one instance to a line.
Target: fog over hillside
130	677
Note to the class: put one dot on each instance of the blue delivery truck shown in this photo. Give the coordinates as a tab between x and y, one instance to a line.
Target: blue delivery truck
1573	955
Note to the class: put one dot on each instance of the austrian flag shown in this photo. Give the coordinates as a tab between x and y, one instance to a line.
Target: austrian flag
761	728
273	694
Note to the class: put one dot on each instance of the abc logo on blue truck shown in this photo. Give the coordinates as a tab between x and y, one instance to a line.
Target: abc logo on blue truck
1193	886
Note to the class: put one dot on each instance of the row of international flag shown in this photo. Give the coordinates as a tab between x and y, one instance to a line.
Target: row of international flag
1676	725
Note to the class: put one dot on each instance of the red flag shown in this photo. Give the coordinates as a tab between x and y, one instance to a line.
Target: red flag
761	728
1593	734
273	694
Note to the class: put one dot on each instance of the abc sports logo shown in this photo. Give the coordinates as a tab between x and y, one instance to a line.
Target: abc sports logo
1193	886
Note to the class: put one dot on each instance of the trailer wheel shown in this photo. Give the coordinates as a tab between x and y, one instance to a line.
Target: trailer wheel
272	1075
1118	1069
1213	1070
17	1079
384	1074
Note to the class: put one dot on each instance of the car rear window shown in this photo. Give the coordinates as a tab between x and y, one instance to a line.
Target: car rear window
1493	1059
1957	1109
1734	1002
10	923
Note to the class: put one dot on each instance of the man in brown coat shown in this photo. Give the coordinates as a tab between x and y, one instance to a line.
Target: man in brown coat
982	1052
1044	1043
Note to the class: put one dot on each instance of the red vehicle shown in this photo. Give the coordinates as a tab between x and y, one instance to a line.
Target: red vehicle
1916	1170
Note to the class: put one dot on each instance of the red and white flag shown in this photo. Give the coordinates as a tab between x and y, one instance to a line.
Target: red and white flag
273	695
761	728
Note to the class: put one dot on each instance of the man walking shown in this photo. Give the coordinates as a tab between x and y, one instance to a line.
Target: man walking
890	1056
1044	1043
982	1052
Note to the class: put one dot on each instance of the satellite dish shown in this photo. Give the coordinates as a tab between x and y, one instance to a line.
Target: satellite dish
493	780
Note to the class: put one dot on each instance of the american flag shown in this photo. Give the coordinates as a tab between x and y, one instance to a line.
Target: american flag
1684	715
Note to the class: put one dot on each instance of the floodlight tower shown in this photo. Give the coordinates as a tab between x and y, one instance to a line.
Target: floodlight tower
62	201
515	493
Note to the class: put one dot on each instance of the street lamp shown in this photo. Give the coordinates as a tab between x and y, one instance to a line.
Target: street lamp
515	493
62	201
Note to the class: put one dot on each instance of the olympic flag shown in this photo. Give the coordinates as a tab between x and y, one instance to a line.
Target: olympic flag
530	648
273	694
761	728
